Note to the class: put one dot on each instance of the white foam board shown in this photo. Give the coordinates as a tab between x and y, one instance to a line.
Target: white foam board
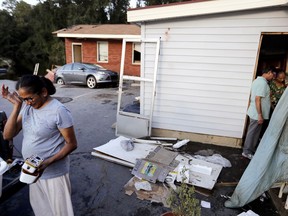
113	148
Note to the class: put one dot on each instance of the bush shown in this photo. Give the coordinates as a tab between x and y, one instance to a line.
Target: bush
183	201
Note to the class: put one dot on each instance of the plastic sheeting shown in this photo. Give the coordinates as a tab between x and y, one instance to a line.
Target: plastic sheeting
270	162
215	158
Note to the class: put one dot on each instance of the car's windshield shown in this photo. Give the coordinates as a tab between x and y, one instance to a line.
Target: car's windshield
91	66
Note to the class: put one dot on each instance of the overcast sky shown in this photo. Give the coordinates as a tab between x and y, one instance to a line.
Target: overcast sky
33	2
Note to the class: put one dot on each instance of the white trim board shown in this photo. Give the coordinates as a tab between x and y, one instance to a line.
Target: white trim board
198	8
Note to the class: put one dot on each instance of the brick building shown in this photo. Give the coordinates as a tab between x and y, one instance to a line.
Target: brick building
102	45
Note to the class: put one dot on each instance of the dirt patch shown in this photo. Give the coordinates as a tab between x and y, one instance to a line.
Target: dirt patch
105	101
63	99
105	96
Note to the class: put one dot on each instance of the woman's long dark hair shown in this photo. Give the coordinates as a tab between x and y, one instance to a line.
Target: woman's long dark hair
34	84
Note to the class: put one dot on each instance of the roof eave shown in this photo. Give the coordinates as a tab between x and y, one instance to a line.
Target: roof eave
99	36
199	8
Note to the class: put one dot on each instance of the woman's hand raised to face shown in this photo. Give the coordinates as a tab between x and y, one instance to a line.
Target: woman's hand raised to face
12	97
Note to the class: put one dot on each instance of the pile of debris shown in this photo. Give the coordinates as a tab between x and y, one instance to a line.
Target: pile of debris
158	166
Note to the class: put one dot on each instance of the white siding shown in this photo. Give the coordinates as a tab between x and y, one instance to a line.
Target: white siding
206	69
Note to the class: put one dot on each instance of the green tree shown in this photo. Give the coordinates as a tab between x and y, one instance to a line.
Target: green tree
139	3
41	43
117	10
9	5
7	32
91	11
7	38
22	13
26	31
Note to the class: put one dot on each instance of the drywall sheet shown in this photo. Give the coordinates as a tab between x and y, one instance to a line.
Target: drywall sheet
112	159
114	149
199	171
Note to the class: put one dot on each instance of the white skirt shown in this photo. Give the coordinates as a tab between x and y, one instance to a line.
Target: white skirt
51	197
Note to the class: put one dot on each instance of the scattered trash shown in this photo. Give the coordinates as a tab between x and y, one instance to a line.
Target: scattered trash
207	152
143	185
150	171
263	197
156	165
156	142
216	159
201	169
225	196
127	145
159	192
205	204
170	179
248	213
197	178
163	156
181	143
183	173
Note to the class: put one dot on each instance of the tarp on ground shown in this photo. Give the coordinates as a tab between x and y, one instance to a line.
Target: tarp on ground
270	162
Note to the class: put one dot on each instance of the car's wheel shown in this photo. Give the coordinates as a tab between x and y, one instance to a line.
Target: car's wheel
91	82
60	81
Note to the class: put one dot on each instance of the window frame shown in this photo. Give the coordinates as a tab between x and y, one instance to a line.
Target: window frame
99	51
136	62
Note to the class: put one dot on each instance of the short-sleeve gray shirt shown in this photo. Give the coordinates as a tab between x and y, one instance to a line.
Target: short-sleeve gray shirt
259	88
41	135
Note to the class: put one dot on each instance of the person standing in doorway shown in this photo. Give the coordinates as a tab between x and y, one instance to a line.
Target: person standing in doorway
277	87
48	132
258	111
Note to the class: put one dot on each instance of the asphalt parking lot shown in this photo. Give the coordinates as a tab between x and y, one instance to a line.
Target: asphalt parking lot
97	184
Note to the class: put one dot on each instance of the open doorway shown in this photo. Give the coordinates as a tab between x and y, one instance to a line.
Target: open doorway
273	52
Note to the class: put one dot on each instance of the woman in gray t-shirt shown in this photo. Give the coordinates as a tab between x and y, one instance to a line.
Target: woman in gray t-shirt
47	132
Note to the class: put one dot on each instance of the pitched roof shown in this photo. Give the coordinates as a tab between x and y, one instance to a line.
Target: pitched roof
198	7
108	31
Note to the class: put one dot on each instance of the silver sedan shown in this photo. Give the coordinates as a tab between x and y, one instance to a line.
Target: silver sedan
85	74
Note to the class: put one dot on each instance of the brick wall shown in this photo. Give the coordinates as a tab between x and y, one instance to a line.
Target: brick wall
89	55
